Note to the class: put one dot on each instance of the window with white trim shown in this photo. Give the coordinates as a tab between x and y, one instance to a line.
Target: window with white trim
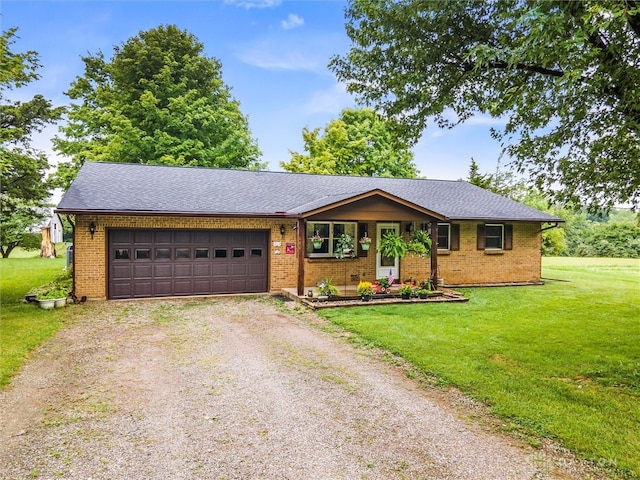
329	233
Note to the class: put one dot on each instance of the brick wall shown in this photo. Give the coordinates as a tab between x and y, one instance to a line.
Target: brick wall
466	266
472	266
90	255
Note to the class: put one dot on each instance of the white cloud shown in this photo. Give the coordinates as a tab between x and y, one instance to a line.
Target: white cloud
292	21
331	101
269	56
486	120
291	51
249	4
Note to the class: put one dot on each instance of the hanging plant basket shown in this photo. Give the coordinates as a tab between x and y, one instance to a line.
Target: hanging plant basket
317	245
365	246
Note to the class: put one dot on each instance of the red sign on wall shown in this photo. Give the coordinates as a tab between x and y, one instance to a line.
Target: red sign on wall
290	248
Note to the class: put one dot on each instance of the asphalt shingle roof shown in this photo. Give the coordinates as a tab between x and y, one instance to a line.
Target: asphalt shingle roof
118	187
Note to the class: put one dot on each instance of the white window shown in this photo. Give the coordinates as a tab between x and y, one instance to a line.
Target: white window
329	233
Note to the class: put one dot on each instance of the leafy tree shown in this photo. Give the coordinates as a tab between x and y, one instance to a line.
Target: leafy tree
554	241
360	142
502	182
563	74
612	234
158	100
482	180
23	188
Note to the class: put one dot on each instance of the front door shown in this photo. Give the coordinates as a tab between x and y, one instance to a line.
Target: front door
386	266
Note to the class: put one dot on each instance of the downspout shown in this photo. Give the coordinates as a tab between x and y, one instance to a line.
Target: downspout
73	263
555	225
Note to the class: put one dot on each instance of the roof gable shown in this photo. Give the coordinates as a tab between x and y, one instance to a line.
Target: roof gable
156	189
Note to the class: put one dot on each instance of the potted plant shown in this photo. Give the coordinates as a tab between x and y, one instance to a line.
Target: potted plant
420	244
406	291
423	293
55	297
326	289
392	245
345	247
317	241
365	290
365	242
381	285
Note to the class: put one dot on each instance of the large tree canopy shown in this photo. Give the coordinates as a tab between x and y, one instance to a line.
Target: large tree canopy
565	75
23	188
360	142
158	100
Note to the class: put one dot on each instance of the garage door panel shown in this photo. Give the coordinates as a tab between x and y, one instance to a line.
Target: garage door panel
220	268
182	237
182	287
143	236
201	237
121	237
255	269
220	285
201	286
202	270
163	288
182	270
121	289
121	271
186	262
142	270
163	237
256	285
163	270
142	288
238	270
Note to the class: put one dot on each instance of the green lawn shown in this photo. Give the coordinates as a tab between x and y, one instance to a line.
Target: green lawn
560	360
23	326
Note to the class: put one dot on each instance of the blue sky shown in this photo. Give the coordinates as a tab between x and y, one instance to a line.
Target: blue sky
274	56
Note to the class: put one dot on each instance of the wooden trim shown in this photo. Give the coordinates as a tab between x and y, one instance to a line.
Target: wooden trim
302	246
372	193
454	239
434	255
508	237
481	237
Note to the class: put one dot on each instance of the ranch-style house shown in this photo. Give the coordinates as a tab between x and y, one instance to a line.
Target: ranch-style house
156	231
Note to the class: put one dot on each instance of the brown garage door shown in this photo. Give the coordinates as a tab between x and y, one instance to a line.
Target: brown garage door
161	263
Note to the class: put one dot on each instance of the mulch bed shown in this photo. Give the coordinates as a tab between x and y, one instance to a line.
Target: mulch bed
378	299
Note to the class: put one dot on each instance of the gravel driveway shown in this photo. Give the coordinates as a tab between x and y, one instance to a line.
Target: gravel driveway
236	388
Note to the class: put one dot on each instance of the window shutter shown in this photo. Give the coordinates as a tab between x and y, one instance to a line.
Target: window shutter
362	230
508	237
455	236
481	241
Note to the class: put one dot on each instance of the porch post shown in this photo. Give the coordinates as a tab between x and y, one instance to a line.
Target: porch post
302	237
434	254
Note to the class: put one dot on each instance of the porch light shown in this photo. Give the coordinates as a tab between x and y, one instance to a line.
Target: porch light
92	229
283	229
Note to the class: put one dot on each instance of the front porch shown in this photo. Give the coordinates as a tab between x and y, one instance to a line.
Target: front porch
349	298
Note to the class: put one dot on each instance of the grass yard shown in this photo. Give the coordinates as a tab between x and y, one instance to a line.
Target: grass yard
560	360
24	326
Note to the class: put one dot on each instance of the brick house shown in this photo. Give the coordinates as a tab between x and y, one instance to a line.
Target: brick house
152	231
